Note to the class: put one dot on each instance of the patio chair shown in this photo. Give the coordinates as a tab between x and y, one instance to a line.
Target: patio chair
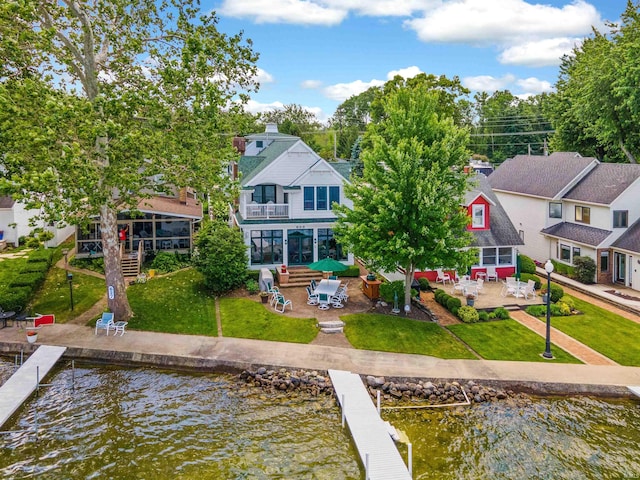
312	298
491	274
333	277
314	285
105	322
323	299
336	301
479	284
528	290
40	319
510	287
272	289
275	297
458	287
442	276
282	304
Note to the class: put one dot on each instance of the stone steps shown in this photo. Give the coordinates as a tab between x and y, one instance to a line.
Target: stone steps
331	326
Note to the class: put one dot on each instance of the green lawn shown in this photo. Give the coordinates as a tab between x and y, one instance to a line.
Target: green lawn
244	318
612	335
507	340
388	333
176	303
54	296
9	268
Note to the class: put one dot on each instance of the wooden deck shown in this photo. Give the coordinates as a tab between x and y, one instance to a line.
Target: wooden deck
369	432
24	381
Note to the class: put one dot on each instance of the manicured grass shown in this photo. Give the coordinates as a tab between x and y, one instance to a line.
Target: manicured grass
54	296
388	333
612	335
507	340
244	318
9	268
176	303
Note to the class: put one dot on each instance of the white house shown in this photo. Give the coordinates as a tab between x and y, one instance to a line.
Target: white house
15	222
285	204
565	205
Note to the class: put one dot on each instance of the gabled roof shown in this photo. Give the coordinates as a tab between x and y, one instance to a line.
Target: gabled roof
630	239
577	233
605	183
343	167
501	233
171	206
6	202
541	176
250	166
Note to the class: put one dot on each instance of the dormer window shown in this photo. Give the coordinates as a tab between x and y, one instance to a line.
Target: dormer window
259	144
477	216
583	214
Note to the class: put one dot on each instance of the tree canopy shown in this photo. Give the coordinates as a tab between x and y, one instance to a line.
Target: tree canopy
105	102
597	106
407	206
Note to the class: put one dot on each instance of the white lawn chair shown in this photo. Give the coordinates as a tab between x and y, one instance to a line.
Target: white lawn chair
528	290
491	274
442	276
282	303
510	287
479	285
312	298
105	323
458	287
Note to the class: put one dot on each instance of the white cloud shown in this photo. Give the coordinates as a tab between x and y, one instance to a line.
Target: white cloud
303	12
534	85
500	22
311	84
256	107
342	91
382	8
487	83
262	77
408	72
539	54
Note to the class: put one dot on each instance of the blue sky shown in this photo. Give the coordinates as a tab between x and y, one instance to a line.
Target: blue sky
318	53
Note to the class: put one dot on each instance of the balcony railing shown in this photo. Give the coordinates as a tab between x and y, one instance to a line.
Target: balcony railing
266	210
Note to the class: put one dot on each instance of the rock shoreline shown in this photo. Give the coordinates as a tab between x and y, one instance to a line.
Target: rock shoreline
397	392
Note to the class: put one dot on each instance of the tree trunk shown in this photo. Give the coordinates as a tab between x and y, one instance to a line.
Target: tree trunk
116	290
630	156
408	279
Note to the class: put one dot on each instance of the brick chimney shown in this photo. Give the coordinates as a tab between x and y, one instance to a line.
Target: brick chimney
240	144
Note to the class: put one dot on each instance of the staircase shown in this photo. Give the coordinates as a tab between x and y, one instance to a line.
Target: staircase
129	265
301	277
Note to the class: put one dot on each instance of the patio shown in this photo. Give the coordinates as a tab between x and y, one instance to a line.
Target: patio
491	296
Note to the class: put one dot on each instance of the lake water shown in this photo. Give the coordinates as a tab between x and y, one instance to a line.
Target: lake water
145	423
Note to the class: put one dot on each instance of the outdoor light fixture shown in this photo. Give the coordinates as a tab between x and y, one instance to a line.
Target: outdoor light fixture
70	280
65	252
548	267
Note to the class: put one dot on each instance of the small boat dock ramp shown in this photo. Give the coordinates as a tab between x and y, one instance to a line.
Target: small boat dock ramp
25	380
377	451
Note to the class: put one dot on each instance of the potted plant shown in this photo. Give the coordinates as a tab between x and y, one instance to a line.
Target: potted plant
470	300
264	296
32	336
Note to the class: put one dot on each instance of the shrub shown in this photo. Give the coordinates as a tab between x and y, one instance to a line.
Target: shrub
527	265
352	271
537	310
253	274
166	262
388	289
221	256
468	314
563	268
438	295
94	264
35	267
424	284
570	302
501	313
33	280
525	277
561	309
252	286
483	316
585	269
453	302
454	310
43	255
556	292
15	299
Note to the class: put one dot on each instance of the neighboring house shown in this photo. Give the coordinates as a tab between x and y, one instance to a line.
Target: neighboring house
287	192
165	223
15	222
565	206
494	236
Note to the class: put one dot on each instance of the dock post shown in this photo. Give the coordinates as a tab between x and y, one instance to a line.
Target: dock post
378	400
343	410
410	459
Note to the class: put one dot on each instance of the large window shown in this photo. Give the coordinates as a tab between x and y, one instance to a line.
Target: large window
309	196
504	256
266	247
321	200
604	262
488	256
334	195
497	256
565	253
583	214
264	194
477	215
328	247
576	252
620	218
555	210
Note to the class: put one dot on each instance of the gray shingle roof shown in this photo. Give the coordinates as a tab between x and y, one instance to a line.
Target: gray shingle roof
250	166
577	233
502	233
540	176
629	240
605	183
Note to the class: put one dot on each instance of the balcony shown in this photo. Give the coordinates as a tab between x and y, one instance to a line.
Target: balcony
254	211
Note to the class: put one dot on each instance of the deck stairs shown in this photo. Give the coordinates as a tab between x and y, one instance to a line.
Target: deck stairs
301	277
130	262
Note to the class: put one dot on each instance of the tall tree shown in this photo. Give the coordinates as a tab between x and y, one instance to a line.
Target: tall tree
101	98
598	87
351	119
294	119
407	207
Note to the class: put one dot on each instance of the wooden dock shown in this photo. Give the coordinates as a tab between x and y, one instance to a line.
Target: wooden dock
377	450
24	381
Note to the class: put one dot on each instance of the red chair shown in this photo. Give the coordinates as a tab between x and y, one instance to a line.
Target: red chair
40	320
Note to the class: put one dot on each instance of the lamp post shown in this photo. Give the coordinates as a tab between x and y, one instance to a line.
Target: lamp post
70	280
65	252
548	267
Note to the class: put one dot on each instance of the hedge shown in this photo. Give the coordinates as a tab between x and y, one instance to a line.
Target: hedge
15	299
35	267
527	265
352	271
387	290
41	255
32	280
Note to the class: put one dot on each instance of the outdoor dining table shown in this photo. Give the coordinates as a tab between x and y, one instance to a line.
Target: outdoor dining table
4	316
325	290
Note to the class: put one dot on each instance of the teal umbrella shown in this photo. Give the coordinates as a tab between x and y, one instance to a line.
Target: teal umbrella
328	265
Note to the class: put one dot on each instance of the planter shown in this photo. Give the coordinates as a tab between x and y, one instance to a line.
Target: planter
264	298
544	298
371	276
32	337
470	302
